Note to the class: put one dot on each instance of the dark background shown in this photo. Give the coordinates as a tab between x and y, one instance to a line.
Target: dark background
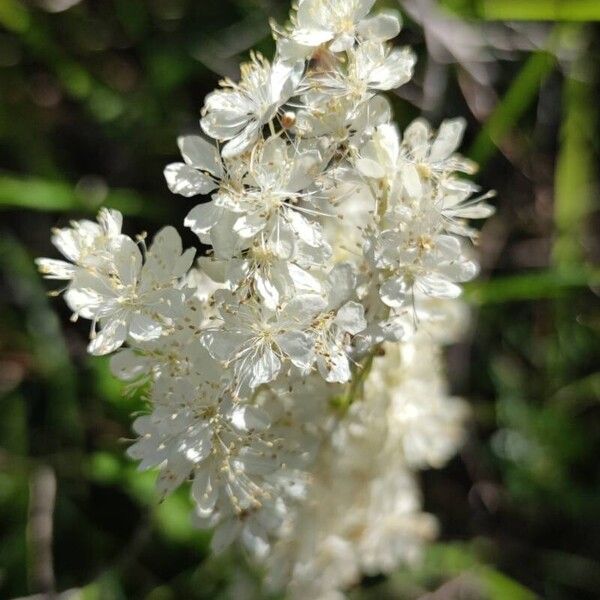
92	98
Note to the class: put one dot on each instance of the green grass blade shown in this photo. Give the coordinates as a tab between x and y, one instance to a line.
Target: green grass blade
575	182
517	100
535	286
57	196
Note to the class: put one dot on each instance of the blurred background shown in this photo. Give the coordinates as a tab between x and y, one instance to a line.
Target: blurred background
93	94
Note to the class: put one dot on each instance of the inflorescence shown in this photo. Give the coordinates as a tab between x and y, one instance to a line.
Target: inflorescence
294	374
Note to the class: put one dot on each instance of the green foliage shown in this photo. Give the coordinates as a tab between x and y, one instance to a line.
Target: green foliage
519	98
528	10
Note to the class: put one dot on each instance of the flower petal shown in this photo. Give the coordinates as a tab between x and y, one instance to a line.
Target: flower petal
395	292
187	181
143	328
199	153
382	27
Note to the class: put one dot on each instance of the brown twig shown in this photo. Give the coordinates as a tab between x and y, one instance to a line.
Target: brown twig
42	496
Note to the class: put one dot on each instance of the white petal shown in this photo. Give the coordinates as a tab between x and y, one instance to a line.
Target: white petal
226	113
202	218
284	80
168	481
381	27
248	226
187	181
265	369
475	211
164	259
250	418
166	244
448	139
291	51
395	292
143	328
184	263
196	444
222	345
411	181
267	291
342	282
68	242
447	247
351	318
302	308
459	270
127	365
303	281
336	369
362	8
89	296
370	168
111	221
199	153
343	43
224	535
127	259
417	137
311	37
256	541
395	71
243	141
388	137
224	244
306	168
308	232
298	346
438	287
111	337
56	269
204	493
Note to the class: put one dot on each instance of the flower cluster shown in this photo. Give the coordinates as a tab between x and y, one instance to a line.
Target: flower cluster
293	374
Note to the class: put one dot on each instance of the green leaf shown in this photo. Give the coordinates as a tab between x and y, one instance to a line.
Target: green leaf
14	16
501	587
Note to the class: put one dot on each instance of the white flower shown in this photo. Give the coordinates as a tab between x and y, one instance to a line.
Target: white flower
86	244
342	319
238	112
458	206
274	269
132	298
173	361
427	158
430	265
278	176
377	66
339	121
418	162
266	205
373	66
257	342
339	23
426	424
